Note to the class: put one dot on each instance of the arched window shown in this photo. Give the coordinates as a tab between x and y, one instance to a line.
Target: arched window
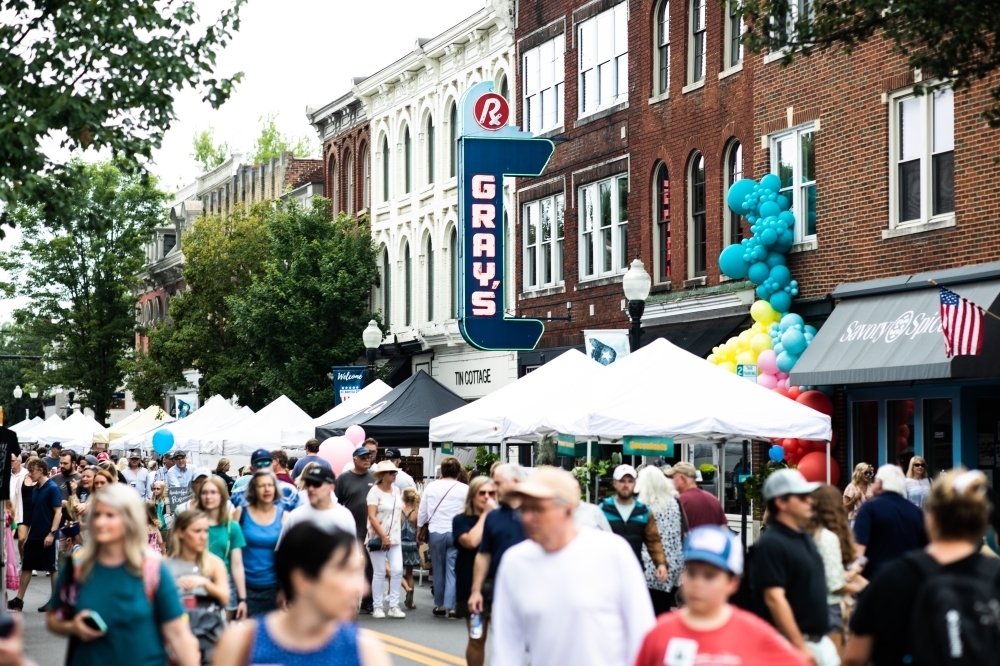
453	252
156	310
661	215
697	231
408	284
732	228
430	149
503	87
662	32
386	287
407	160
385	168
453	140
430	278
366	164
333	185
349	168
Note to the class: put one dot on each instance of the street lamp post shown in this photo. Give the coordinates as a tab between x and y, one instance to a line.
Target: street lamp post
372	337
636	283
18	393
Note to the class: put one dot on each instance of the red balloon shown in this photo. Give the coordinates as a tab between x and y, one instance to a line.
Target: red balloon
817	400
789	443
780	391
813	467
794	392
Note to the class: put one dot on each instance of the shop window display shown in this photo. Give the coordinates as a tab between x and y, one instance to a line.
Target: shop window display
938	435
899	434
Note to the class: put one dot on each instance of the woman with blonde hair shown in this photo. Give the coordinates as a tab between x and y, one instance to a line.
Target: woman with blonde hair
918	484
408	534
835	542
114	578
467	528
859	490
222	471
225	540
657	492
956	513
200	575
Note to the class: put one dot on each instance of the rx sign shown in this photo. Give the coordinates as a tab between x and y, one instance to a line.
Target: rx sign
488	150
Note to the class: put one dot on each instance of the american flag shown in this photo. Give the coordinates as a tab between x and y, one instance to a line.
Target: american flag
962	324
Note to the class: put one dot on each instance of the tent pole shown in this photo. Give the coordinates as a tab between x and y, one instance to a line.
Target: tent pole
588	468
741	493
827	462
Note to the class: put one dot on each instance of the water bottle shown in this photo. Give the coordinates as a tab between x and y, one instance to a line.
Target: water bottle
476	627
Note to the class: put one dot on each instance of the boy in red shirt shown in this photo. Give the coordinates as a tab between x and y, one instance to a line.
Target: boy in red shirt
708	631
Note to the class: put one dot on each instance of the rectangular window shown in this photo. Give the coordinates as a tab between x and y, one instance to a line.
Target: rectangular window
604	228
603	46
699	230
544	71
734	33
663	46
543	242
699	42
922	156
793	158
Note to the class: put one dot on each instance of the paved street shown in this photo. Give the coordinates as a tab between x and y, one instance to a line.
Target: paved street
419	639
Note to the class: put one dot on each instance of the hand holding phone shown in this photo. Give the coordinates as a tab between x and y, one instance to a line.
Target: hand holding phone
90	625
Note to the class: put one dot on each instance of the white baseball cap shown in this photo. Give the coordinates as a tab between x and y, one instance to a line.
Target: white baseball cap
624	470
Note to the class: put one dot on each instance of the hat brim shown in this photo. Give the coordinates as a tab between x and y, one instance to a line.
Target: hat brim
536	490
804	488
710	558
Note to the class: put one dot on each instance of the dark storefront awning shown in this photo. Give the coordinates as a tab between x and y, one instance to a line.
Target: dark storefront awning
895	336
699	336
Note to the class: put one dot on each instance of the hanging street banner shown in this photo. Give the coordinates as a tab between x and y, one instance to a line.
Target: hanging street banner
347	380
606	346
488	149
648	446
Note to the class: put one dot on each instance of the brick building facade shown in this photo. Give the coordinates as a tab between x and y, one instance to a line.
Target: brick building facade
345	132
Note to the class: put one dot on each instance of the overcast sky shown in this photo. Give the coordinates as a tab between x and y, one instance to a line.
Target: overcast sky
293	54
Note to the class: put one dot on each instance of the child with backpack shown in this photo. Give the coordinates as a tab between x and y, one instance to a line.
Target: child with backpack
939	606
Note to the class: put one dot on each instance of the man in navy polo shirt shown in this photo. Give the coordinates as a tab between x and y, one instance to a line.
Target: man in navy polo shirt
888	526
501	530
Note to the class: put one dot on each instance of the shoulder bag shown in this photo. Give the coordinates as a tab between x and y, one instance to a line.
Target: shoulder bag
423	532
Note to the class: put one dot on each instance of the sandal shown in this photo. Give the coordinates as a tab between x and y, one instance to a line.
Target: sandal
409	600
452	615
439	611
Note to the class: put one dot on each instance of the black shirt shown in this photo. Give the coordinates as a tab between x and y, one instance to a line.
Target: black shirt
789	559
465	561
502	530
352	492
885	607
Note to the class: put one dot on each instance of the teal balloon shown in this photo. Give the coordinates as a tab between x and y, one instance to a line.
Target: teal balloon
770	182
738	191
787	217
775	259
758	272
791	319
769	209
781	276
731	262
783	202
163	441
781	302
786	361
769	237
793	342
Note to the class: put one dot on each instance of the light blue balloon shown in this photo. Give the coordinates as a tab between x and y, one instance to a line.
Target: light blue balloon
776	453
769	237
774	259
758	272
787	217
809	330
163	441
793	342
786	361
783	202
777	348
731	262
738	193
769	209
791	319
781	302
770	182
781	276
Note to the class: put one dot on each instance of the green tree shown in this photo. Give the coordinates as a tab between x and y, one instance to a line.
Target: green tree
949	41
27	374
79	272
305	312
222	255
206	152
100	75
272	142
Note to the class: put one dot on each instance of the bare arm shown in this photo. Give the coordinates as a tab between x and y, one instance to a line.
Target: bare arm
180	639
239	581
479	571
373	521
231	649
474	537
371	649
784	620
218	585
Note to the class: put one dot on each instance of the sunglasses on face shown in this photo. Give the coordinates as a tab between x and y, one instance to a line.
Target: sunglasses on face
262	463
487	493
919	465
313	484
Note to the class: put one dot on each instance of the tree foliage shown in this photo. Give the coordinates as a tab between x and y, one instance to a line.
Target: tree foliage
272	142
947	41
28	374
206	152
82	74
78	272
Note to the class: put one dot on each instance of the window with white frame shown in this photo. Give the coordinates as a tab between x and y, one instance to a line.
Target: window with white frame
603	46
385	168
922	156
407	161
544	71
735	28
453	140
733	226
603	241
366	164
543	242
698	227
698	41
662	51
783	27
430	149
793	158
350	184
661	216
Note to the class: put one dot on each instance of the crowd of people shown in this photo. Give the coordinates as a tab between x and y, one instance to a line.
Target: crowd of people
273	564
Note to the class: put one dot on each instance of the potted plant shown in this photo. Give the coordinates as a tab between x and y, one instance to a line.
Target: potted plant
708	472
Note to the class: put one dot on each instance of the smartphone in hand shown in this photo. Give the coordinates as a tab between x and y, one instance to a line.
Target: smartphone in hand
94	620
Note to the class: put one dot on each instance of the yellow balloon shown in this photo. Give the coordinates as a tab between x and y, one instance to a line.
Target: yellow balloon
712	359
728	365
762	312
760	342
733	345
746	358
745	337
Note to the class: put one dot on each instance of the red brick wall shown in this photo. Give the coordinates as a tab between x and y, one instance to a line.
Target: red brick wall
302	171
335	153
844	92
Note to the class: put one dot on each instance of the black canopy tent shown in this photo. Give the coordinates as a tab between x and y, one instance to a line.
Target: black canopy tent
401	417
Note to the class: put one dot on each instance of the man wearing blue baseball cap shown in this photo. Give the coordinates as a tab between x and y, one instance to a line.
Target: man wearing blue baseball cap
352	491
708	630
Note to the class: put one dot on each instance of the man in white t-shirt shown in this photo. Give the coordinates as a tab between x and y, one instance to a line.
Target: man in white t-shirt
323	509
403	480
547	601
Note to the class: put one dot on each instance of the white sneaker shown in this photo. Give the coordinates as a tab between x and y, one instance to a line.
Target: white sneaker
378	614
396	614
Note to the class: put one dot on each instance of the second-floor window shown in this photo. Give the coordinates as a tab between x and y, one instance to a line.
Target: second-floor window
603	46
603	237
543	242
662	65
407	160
544	71
699	42
698	229
922	156
733	54
793	158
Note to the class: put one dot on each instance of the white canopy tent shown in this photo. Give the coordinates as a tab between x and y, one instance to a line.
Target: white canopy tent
40	429
209	442
22	428
76	433
280	425
525	401
215	412
664	391
141	421
363	398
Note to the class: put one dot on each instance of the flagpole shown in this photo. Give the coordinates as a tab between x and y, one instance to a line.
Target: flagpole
995	316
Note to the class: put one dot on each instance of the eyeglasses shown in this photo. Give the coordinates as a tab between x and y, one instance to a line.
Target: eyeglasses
262	463
919	465
487	493
310	483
